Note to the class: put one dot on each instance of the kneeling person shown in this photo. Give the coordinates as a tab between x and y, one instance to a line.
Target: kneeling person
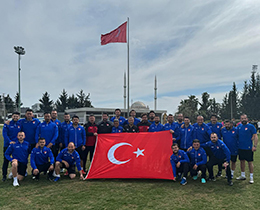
19	151
42	160
220	155
198	160
67	159
180	163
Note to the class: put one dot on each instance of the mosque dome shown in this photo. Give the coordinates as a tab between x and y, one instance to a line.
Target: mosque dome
138	105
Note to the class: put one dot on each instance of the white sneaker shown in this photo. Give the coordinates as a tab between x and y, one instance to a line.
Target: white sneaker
10	176
251	181
241	178
15	183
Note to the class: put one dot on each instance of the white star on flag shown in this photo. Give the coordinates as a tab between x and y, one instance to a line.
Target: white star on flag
139	152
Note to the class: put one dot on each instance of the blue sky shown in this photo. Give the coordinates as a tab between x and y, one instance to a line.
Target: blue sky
191	46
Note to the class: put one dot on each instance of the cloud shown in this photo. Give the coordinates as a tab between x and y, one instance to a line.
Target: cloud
190	47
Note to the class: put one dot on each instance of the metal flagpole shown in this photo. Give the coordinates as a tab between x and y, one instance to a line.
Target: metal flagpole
128	87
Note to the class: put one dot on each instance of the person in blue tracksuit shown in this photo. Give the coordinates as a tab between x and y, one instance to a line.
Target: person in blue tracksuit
221	155
10	132
42	160
77	134
19	151
230	138
216	127
54	119
47	130
151	117
117	128
29	126
120	118
173	128
132	113
179	121
180	163
186	135
67	159
202	131
156	126
198	160
248	139
63	128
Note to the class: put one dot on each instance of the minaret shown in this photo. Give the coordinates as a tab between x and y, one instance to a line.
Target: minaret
124	90
155	93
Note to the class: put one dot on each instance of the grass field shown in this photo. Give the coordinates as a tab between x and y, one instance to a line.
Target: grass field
131	194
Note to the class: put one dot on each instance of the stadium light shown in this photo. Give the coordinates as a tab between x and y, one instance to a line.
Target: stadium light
20	51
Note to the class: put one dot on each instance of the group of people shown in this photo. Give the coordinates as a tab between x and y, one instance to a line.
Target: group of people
54	146
193	143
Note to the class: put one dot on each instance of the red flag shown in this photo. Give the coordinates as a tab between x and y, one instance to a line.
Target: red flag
132	155
117	35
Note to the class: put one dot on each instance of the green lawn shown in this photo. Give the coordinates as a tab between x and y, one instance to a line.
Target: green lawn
130	194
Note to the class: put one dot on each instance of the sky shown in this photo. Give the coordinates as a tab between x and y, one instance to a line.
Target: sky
191	47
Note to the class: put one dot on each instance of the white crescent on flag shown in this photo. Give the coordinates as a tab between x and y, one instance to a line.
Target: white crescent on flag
111	154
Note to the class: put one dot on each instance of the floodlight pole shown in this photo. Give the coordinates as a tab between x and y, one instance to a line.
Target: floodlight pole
20	51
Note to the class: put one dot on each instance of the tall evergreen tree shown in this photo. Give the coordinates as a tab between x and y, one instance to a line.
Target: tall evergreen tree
16	99
62	102
46	103
189	107
72	102
204	105
9	104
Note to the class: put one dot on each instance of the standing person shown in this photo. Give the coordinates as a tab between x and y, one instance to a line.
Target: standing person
187	135
63	128
119	117
179	121
130	127
214	125
258	125
54	116
92	133
247	135
20	152
76	134
117	128
202	131
144	125
180	164
173	128
42	160
230	138
67	159
49	131
151	117
198	160
10	132
220	155
132	114
29	126
156	126
104	126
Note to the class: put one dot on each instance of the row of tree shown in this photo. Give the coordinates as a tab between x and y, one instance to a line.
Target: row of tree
233	105
64	101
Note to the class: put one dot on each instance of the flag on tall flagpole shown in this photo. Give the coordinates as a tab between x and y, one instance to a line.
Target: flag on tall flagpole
117	35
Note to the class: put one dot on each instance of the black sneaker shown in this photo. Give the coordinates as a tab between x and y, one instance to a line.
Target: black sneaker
4	178
230	183
219	174
212	179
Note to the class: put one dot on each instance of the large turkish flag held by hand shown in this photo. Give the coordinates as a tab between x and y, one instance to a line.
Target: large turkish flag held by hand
132	155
